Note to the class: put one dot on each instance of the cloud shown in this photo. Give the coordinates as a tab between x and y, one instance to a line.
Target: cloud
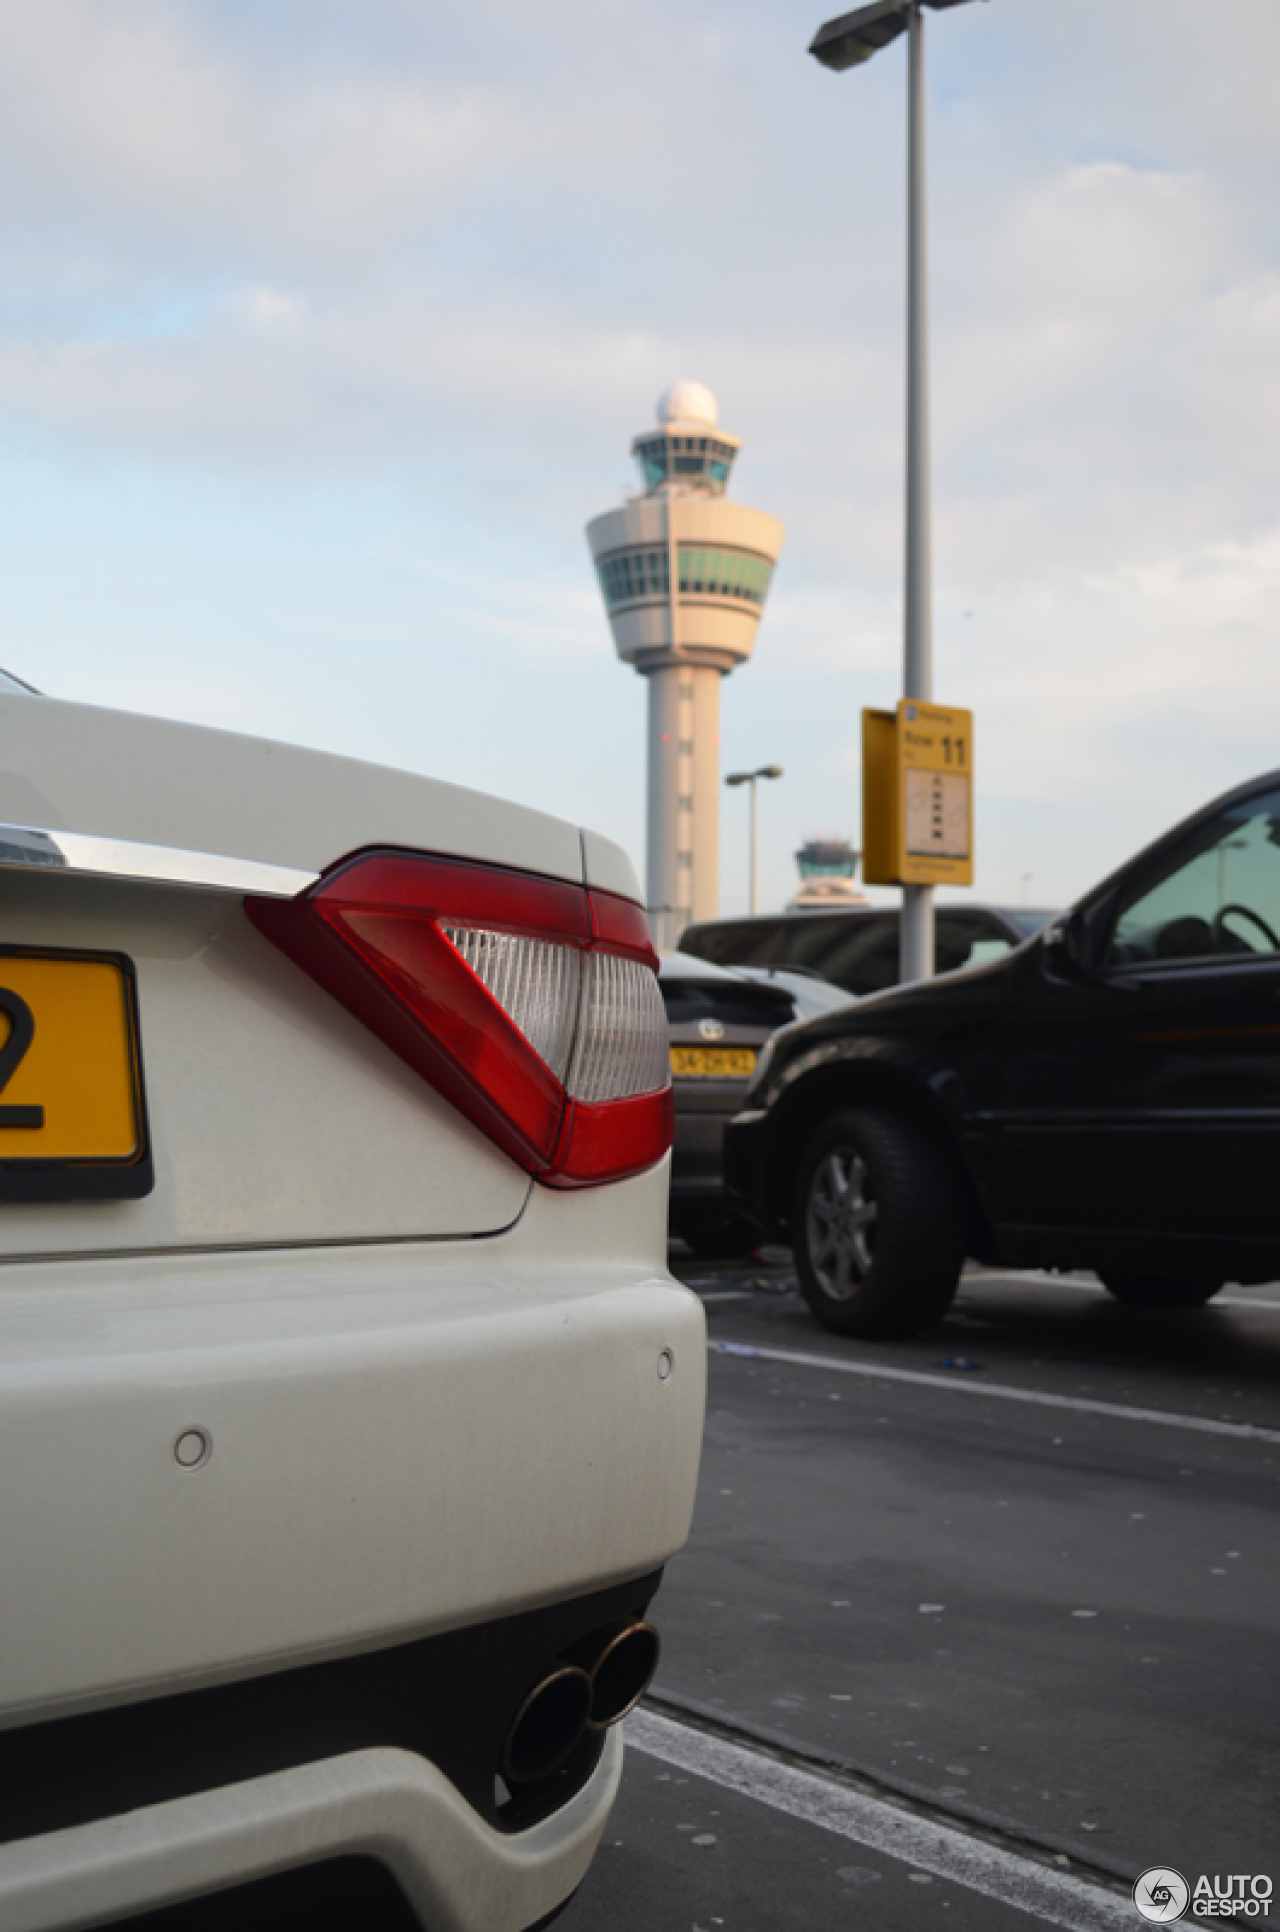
163	128
433	265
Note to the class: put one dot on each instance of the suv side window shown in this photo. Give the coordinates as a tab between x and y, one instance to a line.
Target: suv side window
1217	898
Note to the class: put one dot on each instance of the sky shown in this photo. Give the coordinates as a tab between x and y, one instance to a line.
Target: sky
325	327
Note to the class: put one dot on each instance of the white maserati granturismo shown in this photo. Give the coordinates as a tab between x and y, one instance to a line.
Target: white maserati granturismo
348	1413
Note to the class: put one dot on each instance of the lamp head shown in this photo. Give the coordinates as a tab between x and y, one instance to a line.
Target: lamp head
853	37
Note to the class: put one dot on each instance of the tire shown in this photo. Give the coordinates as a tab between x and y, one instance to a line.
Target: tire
1159	1291
877	1225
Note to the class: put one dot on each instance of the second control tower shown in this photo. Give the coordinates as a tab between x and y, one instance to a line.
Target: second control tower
685	574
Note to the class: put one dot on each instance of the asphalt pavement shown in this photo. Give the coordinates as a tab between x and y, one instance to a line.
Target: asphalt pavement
972	1629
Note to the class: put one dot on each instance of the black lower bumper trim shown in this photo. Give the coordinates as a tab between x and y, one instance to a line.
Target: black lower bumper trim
449	1698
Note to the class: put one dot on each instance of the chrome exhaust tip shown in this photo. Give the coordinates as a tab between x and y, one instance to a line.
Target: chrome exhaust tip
622	1672
547	1726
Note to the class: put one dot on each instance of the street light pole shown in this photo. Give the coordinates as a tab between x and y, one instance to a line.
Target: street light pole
753	896
750	778
915	945
847	42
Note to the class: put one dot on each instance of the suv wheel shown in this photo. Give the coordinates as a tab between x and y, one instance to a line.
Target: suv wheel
876	1224
1159	1291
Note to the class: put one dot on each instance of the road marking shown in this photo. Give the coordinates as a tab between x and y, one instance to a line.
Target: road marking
1003	1392
1054	1897
1011	1280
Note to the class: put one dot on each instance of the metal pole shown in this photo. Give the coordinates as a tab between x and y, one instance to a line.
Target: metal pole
754	896
916	943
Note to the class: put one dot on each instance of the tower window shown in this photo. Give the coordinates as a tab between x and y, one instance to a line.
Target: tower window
724	573
662	456
685	802
684	860
632	576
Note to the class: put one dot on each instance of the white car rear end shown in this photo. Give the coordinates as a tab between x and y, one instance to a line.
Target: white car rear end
347	1410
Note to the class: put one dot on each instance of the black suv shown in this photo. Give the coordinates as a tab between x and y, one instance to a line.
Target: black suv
1106	1097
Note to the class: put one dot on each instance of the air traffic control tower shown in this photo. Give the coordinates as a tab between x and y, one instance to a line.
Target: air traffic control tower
685	574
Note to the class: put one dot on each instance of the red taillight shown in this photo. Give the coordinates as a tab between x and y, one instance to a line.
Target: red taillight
531	1005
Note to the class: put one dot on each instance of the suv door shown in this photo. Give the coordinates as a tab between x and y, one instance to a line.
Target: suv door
1144	1099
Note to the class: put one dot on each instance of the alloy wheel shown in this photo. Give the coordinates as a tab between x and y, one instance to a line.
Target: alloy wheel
841	1222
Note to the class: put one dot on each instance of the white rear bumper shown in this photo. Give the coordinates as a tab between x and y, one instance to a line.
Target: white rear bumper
458	1873
404	1439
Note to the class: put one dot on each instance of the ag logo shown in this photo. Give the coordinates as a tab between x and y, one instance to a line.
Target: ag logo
1162	1894
711	1029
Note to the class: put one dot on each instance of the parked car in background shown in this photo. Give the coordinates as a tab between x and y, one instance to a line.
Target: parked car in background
1107	1097
811	993
857	948
347	1412
718	1022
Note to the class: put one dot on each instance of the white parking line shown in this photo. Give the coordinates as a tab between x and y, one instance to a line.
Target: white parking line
1055	1898
1002	1392
1012	1277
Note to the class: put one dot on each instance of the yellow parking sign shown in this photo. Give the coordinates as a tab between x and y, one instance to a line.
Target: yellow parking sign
917	795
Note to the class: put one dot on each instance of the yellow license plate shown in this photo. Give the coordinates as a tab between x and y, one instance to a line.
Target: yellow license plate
713	1063
72	1115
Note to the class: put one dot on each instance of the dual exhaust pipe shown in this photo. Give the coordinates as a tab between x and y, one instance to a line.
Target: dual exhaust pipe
592	1686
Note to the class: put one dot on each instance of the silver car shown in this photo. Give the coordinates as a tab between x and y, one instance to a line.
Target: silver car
719	1019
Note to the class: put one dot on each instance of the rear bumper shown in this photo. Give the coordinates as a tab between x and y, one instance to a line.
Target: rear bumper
459	1873
403	1440
408	1447
704	1109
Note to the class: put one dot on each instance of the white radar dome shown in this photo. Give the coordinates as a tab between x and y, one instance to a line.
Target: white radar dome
687	402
